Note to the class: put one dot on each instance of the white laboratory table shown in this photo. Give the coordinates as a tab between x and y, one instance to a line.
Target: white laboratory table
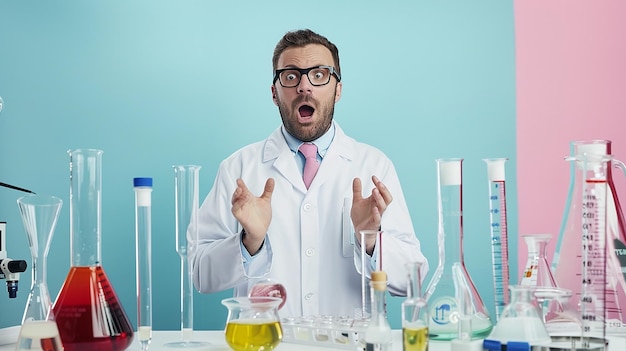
217	343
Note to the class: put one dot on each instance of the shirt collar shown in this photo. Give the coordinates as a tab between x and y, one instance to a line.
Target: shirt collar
322	143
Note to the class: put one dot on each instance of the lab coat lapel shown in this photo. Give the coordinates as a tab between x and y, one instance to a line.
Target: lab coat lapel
337	158
277	151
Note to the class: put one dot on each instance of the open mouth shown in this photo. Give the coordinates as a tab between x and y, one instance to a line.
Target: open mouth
306	111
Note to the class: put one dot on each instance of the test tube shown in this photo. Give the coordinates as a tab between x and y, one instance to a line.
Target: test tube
365	289
143	256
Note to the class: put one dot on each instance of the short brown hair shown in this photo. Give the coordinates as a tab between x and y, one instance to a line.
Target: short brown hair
303	37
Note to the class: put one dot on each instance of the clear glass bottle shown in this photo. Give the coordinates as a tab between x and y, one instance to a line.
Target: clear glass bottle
441	291
143	257
88	312
378	332
415	316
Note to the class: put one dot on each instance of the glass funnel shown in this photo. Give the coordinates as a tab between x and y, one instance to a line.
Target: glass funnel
253	323
39	216
87	310
441	291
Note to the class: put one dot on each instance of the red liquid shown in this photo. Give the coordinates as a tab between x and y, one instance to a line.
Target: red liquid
88	313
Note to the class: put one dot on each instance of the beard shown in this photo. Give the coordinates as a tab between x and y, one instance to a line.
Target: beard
324	116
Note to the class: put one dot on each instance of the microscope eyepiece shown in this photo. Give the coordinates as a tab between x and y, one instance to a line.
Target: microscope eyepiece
12	288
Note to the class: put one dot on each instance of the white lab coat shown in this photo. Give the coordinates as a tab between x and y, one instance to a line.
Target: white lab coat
309	247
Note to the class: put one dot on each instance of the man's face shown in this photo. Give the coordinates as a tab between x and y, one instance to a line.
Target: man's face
306	110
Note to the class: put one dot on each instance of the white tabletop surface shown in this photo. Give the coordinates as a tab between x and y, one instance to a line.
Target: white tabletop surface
216	340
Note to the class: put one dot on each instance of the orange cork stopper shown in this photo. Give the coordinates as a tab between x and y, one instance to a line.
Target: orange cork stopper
379	280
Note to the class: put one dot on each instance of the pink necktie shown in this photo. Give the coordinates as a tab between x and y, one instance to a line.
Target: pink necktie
311	165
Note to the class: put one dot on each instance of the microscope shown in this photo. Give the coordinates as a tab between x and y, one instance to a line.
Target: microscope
9	269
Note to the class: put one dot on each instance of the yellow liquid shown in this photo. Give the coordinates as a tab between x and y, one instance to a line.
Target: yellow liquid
253	335
414	339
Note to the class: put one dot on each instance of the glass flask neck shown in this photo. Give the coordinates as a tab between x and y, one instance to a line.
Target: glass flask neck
85	206
450	190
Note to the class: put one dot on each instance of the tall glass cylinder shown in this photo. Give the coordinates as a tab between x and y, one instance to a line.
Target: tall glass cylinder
187	179
143	257
441	293
87	310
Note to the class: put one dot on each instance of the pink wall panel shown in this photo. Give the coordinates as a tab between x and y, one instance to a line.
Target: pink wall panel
571	85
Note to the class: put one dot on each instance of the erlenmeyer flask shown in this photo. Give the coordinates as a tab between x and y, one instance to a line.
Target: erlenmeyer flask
521	320
567	261
87	310
39	215
441	292
415	318
537	272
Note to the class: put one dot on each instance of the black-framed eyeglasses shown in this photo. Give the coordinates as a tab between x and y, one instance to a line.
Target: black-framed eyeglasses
318	75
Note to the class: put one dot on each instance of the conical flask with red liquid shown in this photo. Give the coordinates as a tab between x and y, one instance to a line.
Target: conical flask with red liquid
88	312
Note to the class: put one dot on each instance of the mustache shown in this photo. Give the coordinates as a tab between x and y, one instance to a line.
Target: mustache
308	99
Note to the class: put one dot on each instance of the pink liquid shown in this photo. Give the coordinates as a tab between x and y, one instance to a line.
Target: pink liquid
88	313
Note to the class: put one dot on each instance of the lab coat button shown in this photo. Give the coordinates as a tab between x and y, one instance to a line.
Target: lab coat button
307	207
308	296
310	252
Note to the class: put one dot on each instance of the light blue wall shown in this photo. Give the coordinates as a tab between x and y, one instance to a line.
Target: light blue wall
164	82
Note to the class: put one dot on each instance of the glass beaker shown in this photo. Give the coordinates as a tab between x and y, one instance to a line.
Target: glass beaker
253	323
586	162
441	293
39	216
87	310
521	320
415	316
186	181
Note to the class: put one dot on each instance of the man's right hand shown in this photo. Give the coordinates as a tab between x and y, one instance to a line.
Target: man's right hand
254	213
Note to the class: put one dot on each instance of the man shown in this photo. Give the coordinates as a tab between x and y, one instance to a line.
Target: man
305	237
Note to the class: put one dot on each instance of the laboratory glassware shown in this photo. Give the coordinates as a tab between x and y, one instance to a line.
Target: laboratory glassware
39	216
378	332
88	312
143	258
590	162
253	323
441	293
499	231
187	189
537	271
521	320
365	268
39	335
415	316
